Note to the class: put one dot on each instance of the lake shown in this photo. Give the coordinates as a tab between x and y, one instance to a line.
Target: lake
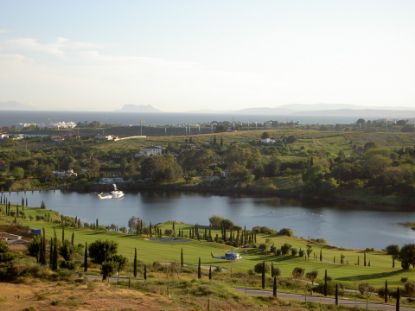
340	227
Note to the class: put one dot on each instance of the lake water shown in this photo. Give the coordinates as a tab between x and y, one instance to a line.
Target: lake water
346	228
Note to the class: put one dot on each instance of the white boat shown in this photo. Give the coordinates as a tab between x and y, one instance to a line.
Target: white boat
115	194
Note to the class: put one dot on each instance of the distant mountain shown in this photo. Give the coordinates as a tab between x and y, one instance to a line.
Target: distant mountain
139	108
14	105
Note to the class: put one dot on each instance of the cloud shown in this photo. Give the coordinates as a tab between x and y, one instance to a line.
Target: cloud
3	31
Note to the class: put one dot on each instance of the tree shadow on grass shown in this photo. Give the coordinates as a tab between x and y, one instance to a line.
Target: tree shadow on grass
363	277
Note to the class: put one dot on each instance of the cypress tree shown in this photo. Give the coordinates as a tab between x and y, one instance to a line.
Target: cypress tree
321	254
145	272
42	257
210	272
364	259
337	295
135	262
63	234
325	283
199	270
181	258
73	238
86	257
263	275
51	253
274	287
398	298
386	291
55	255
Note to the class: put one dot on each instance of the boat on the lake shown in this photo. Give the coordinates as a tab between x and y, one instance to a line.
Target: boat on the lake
115	194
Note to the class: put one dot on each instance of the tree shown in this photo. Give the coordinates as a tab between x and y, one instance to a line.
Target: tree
407	256
34	247
386	292
145	272
263	275
260	266
394	251
107	269
264	135
285	248
66	250
199	269
274	287
398	298
55	254
120	262
135	263
336	294
298	273
181	258
101	251
312	276
86	257
325	283
210	272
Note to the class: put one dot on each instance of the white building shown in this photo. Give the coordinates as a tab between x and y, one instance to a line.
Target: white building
106	137
150	151
268	141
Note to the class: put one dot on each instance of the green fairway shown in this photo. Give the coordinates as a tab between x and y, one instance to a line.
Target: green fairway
349	273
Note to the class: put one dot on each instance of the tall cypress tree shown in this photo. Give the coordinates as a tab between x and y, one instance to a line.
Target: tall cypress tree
398	298
181	258
364	259
73	238
263	275
63	234
135	262
337	295
51	253
42	257
55	255
386	291
325	283
145	272
86	257
274	287
321	254
210	272
199	270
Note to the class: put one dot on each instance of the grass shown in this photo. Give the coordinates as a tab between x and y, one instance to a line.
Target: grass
350	274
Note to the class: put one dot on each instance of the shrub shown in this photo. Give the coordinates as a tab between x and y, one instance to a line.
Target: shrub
294	252
298	273
409	288
263	230
263	248
275	271
101	251
301	253
365	289
67	264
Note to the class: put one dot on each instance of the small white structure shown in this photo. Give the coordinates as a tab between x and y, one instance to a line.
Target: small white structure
65	174
4	136
150	151
62	125
268	140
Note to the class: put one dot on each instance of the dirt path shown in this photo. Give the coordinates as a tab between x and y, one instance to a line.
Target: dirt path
324	300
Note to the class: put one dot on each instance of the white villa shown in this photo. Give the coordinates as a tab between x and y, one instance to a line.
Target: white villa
150	151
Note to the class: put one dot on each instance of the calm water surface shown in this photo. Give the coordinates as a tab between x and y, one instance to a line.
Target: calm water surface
346	228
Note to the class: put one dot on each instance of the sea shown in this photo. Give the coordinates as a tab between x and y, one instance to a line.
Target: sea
10	118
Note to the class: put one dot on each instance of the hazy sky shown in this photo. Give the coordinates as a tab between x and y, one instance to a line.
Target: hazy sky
207	55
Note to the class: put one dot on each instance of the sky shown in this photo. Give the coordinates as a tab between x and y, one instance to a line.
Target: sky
211	55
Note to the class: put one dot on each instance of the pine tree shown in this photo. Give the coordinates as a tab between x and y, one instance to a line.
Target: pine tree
86	257
135	263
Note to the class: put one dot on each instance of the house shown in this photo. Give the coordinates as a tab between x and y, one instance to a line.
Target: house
150	151
64	174
106	137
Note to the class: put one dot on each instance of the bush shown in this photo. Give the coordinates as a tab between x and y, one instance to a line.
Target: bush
263	248
365	288
275	271
107	269
409	288
294	252
298	273
286	231
301	253
263	230
67	264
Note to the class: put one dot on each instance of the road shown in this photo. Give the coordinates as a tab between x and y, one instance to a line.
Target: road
324	300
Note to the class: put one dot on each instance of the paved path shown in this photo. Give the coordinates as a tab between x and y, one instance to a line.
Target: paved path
324	300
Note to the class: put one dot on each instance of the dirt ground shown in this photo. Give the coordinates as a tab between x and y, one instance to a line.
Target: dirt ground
63	296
